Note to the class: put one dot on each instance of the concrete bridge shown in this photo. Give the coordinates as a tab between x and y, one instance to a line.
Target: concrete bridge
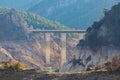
63	41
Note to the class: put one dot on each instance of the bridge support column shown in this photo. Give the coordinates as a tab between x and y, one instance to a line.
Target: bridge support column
63	48
47	55
81	35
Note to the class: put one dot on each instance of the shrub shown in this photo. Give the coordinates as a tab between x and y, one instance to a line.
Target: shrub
115	64
14	66
20	66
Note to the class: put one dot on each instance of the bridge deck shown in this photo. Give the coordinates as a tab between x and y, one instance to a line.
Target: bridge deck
59	31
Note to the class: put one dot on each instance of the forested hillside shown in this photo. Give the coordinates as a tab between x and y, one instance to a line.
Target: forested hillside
105	32
12	26
35	21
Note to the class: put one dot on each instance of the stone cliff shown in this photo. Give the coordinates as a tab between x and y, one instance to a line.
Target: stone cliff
100	44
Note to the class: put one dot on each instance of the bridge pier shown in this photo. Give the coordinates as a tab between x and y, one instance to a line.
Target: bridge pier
63	42
47	42
81	36
63	48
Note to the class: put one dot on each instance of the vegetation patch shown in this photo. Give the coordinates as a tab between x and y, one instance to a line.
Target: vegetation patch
13	66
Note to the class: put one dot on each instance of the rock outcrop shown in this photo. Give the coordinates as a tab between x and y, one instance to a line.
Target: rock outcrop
12	26
101	43
5	56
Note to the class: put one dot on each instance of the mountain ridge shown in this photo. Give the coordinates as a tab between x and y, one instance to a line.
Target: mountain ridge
70	13
73	13
21	4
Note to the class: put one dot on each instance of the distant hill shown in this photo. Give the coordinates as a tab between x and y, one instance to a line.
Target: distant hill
77	14
74	13
35	21
19	4
12	26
